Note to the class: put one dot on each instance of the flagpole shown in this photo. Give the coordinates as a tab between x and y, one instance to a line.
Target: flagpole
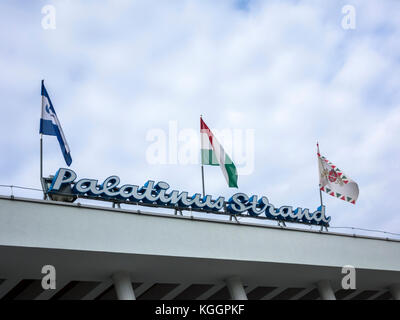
320	196
41	145
202	167
320	192
41	156
41	166
202	180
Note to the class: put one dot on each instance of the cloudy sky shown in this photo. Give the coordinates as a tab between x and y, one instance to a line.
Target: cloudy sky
283	74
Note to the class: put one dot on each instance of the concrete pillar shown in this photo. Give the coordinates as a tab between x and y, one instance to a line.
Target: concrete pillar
395	291
325	290
235	288
123	286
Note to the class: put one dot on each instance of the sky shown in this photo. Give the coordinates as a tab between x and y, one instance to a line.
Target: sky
124	76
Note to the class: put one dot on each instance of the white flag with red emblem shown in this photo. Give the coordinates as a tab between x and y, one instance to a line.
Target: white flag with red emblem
334	182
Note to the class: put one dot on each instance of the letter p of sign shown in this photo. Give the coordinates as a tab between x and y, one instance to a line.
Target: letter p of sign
349	280
49	280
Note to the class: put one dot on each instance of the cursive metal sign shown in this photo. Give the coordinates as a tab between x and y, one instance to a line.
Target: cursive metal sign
158	194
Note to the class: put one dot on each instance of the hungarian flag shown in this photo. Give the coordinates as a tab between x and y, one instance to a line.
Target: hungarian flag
334	182
213	154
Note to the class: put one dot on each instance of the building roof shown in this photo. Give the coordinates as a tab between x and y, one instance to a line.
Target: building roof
87	244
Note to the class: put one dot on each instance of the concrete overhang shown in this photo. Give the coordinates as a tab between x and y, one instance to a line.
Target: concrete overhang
89	243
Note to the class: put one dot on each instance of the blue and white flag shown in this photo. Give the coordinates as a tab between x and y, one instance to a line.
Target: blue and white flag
50	125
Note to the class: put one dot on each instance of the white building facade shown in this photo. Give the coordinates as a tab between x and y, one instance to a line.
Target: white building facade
111	253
